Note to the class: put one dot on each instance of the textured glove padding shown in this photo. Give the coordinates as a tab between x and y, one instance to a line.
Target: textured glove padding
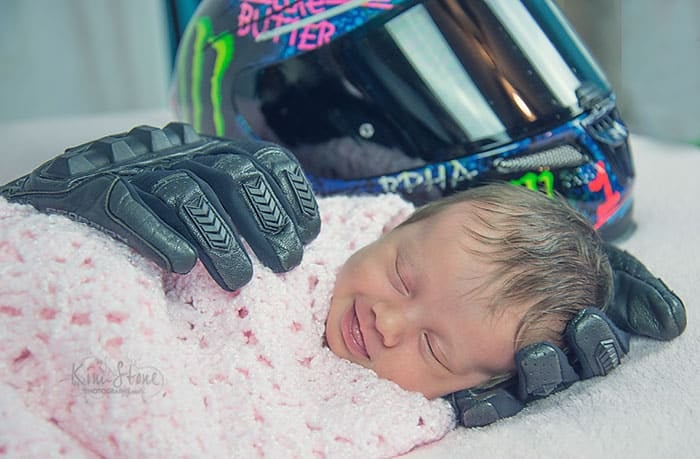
642	304
176	196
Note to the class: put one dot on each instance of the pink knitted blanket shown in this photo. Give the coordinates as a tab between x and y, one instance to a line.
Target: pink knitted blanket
103	354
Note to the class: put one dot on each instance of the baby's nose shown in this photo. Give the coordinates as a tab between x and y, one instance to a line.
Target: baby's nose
391	322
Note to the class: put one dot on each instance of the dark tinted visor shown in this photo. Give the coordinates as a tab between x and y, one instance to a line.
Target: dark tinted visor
439	80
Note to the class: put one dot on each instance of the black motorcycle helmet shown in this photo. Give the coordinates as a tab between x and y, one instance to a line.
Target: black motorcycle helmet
419	97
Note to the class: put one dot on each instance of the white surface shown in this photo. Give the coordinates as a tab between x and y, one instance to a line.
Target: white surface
649	407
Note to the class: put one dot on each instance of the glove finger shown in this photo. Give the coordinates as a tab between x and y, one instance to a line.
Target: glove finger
189	206
254	206
145	231
642	304
295	190
115	208
475	408
596	343
543	369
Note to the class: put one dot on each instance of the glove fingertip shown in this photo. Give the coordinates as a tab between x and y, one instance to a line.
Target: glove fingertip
491	410
642	303
479	415
480	407
543	369
597	343
234	277
671	313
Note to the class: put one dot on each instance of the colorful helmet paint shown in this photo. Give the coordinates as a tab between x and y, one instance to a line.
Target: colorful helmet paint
422	97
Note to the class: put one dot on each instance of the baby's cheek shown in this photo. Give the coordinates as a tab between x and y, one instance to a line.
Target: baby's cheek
401	370
344	278
359	265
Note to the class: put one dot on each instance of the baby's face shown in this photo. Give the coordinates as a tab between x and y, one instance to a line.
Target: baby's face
411	307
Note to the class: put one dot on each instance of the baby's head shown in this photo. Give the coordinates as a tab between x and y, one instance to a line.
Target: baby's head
445	300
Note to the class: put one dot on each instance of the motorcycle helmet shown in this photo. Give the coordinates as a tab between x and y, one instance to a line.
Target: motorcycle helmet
417	97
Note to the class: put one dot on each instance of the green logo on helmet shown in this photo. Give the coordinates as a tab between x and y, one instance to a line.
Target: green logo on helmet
544	181
223	46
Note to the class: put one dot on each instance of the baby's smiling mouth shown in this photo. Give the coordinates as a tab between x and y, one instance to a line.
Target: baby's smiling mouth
352	334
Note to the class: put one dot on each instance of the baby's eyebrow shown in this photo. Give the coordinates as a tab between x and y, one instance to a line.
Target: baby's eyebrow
407	257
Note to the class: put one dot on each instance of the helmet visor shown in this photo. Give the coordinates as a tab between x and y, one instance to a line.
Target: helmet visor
429	81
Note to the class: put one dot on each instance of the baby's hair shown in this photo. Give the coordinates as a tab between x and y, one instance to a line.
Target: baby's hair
543	253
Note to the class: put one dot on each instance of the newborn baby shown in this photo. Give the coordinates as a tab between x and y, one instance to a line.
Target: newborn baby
444	301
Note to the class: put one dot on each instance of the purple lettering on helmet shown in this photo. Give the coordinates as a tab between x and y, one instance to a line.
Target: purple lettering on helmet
314	35
263	16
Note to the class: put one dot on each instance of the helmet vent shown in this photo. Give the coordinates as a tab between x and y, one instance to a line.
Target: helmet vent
608	129
554	158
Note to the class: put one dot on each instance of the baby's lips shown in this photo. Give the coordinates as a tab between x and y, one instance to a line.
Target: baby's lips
357	334
352	334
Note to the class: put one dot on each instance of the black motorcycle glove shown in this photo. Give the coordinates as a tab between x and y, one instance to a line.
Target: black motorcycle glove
175	196
642	305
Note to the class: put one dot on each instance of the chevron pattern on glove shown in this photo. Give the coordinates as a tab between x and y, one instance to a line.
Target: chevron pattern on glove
209	223
270	219
302	191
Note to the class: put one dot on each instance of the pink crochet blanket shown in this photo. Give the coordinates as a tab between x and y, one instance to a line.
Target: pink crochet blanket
103	354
